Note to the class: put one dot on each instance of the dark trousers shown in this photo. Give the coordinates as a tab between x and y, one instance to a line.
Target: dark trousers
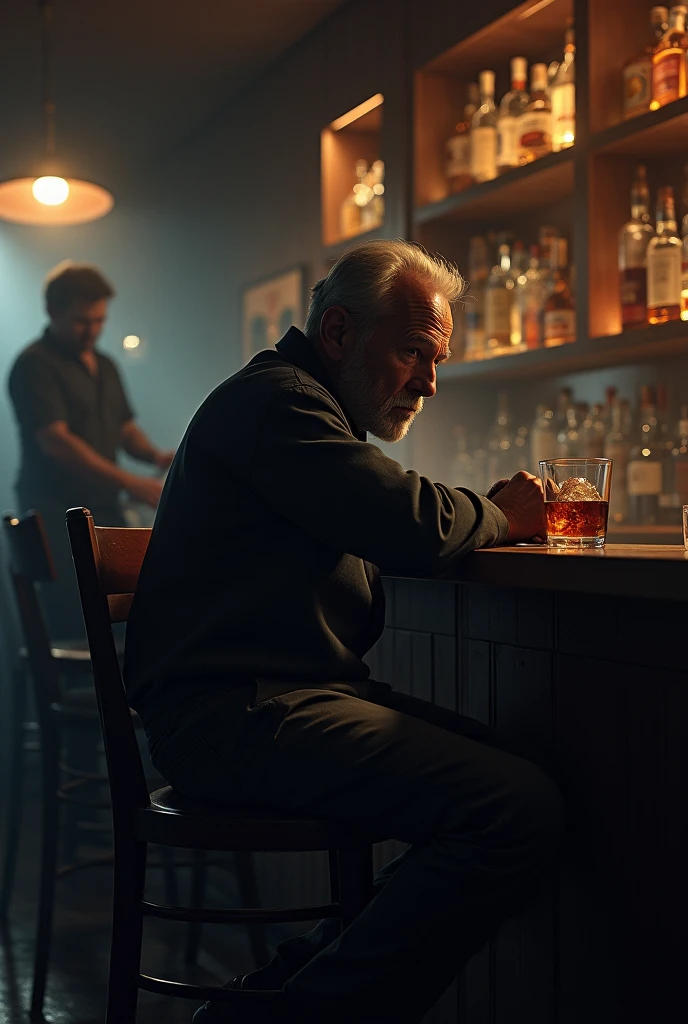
482	819
60	600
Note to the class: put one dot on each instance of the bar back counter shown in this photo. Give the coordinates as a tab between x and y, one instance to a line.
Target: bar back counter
583	654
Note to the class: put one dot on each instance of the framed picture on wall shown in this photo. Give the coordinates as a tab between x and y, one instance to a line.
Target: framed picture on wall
269	309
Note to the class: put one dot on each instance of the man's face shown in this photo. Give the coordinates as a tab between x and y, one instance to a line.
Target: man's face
385	378
78	327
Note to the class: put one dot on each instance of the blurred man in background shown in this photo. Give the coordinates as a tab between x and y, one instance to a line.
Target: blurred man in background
74	417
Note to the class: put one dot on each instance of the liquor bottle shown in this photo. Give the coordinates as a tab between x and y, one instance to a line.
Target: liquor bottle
483	134
530	301
563	97
543	438
536	120
617	447
373	212
501	455
499	297
593	430
669	61
637	72
459	145
684	260
559	319
569	439
350	213
462	474
680	459
478	270
564	400
664	263
645	466
634	238
511	108
519	267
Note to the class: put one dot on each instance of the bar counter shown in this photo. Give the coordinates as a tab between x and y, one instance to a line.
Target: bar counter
582	654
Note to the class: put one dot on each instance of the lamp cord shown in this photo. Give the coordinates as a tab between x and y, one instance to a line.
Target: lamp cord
46	7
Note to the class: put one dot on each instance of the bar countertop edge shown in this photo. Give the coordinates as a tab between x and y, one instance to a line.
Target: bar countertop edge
656	572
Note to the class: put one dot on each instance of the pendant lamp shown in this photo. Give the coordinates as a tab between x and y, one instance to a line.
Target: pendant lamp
49	196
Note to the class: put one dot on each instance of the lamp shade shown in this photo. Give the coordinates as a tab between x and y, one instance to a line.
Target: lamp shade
85	201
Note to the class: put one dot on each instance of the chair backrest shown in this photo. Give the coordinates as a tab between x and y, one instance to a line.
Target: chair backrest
108	562
31	563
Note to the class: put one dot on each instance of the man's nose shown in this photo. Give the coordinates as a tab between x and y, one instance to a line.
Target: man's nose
426	383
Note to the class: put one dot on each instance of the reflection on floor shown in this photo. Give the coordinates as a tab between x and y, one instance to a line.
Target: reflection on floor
76	985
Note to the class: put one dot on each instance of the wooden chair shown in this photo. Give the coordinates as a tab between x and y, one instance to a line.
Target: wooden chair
62	711
107	562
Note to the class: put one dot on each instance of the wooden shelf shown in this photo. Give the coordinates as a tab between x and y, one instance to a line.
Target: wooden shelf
644	344
544	181
662	132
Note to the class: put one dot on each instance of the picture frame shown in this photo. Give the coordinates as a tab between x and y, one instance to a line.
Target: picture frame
270	307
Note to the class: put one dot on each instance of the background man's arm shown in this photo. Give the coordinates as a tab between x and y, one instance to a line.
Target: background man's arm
137	444
59	443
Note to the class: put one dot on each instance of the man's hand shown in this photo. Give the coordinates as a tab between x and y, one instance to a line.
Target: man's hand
522	502
163	460
146	489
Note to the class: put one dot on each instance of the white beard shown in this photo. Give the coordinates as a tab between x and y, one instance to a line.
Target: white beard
364	400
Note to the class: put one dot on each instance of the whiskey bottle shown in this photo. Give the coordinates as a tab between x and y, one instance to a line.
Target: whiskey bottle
637	73
617	447
559	320
478	270
499	297
513	105
530	301
536	120
645	466
664	263
459	145
563	97
669	61
634	238
484	132
543	438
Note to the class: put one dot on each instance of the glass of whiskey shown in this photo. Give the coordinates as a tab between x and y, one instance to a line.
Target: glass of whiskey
576	501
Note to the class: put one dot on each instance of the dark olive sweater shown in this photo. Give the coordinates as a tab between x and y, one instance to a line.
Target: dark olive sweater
276	520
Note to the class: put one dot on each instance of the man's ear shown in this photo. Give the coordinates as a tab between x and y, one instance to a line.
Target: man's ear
336	328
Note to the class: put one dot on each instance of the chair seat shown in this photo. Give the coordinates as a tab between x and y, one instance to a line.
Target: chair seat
175	820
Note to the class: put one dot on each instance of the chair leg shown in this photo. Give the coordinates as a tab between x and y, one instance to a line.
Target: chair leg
49	841
355	881
248	892
169	872
14	784
198	879
127	932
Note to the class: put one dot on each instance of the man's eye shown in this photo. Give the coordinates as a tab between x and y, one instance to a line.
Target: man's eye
413	351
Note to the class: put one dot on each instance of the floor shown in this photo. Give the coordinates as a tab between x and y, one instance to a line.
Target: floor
77	980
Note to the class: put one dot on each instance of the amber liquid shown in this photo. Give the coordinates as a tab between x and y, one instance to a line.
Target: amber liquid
576	519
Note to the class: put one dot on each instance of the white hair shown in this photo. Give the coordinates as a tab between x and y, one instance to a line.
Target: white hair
362	282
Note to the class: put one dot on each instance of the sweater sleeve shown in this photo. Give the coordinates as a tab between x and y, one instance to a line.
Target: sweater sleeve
308	467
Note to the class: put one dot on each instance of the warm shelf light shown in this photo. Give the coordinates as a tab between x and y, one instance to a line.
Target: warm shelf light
353	115
49	197
534	9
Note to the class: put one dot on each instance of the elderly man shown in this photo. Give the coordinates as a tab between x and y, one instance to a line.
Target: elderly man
258	601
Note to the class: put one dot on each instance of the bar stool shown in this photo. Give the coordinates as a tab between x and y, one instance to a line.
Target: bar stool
61	711
108	561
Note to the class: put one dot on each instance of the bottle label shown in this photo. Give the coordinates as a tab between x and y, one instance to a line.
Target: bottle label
663	276
509	141
644	477
563	116
633	282
497	315
637	87
458	155
484	153
536	129
560	325
666	76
